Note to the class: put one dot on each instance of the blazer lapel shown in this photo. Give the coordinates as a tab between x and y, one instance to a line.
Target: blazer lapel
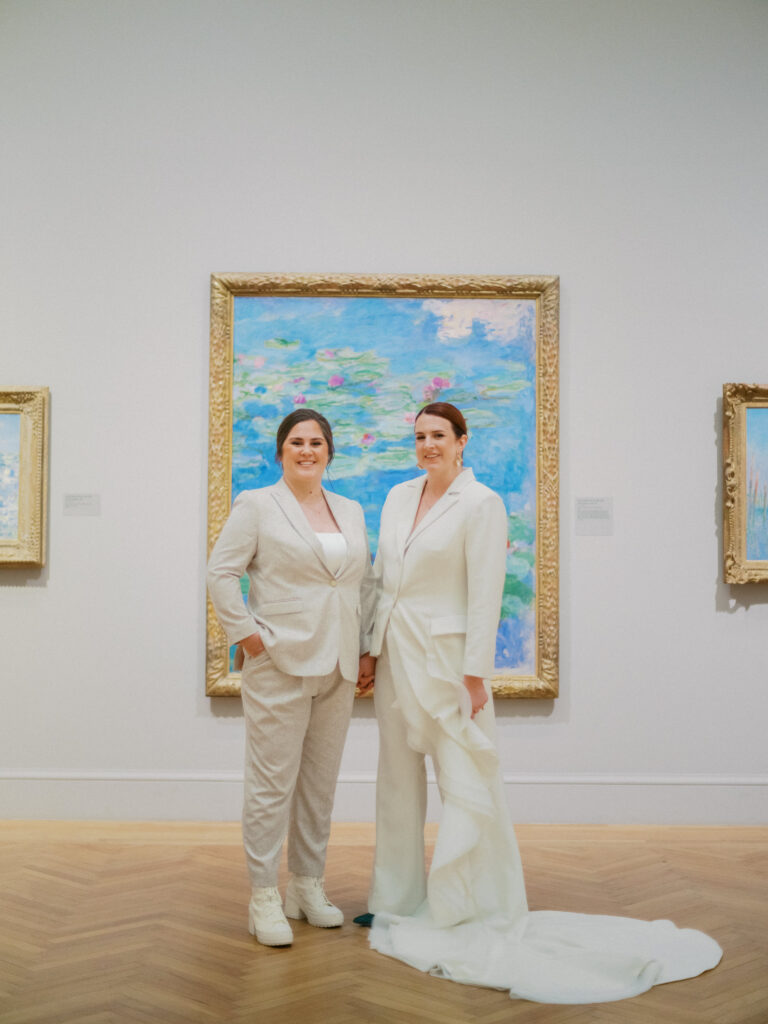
408	514
441	506
291	508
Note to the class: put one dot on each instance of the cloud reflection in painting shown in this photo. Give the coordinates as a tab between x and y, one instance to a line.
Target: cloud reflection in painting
369	364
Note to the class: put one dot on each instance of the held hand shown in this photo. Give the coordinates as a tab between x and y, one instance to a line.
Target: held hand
367	673
252	645
477	693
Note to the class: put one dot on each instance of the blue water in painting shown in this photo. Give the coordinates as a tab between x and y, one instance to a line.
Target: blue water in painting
10	444
368	365
757	484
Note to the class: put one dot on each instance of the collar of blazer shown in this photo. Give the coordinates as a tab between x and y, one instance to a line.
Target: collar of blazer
414	489
291	508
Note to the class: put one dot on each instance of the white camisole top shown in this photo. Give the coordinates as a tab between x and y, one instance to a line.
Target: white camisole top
334	549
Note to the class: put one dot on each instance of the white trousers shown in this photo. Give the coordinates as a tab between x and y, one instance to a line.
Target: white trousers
294	735
399	880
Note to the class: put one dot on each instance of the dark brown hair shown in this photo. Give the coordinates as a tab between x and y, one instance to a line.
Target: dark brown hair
448	412
301	416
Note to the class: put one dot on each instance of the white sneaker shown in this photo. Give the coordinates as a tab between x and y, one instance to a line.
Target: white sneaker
266	919
305	897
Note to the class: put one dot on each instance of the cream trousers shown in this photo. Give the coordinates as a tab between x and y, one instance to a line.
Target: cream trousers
294	735
399	879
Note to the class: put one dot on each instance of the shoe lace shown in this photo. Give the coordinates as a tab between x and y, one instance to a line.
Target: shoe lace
271	909
317	885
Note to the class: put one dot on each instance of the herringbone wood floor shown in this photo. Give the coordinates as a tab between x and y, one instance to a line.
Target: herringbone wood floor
146	923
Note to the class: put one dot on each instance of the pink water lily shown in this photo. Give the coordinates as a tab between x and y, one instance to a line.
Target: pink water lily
300	399
435	386
410	417
259	361
335	381
367	439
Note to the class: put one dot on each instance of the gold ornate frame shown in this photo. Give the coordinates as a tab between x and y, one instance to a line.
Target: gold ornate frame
546	293
29	546
737	398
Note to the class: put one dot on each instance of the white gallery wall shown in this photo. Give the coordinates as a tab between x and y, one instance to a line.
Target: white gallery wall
620	144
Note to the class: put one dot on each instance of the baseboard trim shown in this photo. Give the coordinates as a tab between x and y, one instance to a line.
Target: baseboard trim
369	778
596	798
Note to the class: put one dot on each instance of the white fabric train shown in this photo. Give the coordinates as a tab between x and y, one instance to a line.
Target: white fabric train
475	926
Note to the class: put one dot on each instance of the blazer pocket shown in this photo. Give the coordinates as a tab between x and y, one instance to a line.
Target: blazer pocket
445	648
293	604
445	624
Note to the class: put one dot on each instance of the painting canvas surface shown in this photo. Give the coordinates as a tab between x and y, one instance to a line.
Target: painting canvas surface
10	449
369	364
757	484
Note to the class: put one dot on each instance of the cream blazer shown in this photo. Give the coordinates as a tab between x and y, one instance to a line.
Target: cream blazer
447	575
307	616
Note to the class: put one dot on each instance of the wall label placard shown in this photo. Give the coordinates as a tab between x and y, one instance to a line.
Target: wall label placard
594	517
82	504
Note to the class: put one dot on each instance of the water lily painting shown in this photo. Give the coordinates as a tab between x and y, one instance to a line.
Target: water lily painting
745	483
757	484
369	362
10	446
23	475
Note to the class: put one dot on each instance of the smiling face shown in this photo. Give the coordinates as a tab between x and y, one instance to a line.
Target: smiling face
305	453
438	450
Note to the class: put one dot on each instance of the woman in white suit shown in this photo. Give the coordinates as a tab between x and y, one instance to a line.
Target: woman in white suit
306	621
442	563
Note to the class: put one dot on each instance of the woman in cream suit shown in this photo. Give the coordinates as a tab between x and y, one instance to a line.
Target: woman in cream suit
307	618
441	562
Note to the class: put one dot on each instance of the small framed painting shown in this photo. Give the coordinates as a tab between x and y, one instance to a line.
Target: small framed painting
369	352
745	490
23	475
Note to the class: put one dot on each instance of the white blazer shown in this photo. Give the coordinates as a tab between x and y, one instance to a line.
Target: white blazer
307	616
447	575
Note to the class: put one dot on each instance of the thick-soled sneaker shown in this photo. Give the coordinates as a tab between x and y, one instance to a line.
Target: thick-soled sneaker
305	897
266	919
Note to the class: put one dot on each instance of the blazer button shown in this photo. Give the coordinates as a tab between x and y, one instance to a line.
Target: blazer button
333	583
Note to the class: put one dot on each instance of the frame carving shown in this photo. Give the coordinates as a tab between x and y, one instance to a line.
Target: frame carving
544	290
737	399
31	406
